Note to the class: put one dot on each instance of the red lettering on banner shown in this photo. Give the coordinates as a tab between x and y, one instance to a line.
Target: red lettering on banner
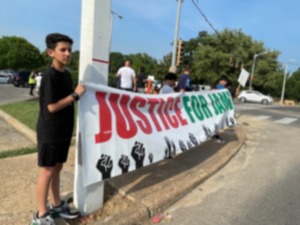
105	122
144	124
169	106
163	115
153	102
126	127
160	113
178	112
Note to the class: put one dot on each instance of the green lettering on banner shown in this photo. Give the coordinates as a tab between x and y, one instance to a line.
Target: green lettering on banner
226	100
218	103
187	108
196	108
213	104
204	107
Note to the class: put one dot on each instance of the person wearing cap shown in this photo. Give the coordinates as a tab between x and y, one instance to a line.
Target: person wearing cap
169	84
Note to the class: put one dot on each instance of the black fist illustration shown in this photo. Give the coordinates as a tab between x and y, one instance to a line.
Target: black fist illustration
217	129
207	132
150	157
105	165
193	139
124	163
170	150
182	146
138	154
189	144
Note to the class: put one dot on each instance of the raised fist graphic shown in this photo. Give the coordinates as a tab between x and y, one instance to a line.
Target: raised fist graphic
105	165
170	150
207	132
189	144
138	154
150	157
124	163
182	146
193	139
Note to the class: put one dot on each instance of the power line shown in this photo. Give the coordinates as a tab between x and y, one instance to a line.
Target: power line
205	17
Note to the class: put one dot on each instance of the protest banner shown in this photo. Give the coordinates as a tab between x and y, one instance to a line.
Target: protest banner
123	131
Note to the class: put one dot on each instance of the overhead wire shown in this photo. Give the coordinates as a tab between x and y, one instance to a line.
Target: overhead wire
205	17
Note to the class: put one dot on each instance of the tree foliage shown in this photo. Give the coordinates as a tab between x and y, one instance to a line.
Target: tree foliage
17	53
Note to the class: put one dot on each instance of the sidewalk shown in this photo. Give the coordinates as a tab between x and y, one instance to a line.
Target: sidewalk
133	197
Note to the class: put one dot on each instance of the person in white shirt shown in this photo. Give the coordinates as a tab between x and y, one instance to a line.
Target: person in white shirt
169	84
127	77
38	80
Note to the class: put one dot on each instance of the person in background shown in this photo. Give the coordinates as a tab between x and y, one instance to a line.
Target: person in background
31	82
184	82
222	84
169	84
127	77
38	80
141	80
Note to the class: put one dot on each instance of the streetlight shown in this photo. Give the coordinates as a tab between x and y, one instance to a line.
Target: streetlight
253	67
113	13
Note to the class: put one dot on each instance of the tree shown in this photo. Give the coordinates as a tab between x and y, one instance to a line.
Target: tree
17	53
225	53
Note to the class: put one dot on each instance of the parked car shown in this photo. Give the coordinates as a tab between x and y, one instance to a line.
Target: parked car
21	79
8	73
4	79
255	96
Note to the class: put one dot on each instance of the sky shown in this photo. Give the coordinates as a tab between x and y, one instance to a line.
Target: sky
148	26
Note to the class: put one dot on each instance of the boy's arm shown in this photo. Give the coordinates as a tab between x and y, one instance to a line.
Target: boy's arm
54	107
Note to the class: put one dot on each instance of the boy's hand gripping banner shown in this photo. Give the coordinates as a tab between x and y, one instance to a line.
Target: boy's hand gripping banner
122	131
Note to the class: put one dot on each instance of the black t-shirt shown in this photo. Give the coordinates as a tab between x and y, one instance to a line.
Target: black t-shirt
58	126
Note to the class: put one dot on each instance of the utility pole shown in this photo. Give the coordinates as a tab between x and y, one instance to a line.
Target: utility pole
283	84
176	34
289	62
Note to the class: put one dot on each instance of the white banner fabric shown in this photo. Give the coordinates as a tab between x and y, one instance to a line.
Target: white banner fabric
122	131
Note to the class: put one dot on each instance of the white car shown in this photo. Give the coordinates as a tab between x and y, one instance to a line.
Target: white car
4	79
255	96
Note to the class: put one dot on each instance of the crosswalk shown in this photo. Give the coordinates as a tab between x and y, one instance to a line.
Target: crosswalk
284	120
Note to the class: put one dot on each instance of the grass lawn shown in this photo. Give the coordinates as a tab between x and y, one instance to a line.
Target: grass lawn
26	112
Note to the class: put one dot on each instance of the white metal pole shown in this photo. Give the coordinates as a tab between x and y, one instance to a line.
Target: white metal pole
94	57
176	33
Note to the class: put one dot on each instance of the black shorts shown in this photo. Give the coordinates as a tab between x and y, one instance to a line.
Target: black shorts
49	154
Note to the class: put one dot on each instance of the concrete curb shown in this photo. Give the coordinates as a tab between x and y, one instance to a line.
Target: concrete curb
156	197
20	127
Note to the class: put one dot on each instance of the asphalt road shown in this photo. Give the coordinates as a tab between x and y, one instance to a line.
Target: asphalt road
261	183
10	94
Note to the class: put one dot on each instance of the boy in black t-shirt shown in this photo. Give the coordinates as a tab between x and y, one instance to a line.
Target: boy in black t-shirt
54	129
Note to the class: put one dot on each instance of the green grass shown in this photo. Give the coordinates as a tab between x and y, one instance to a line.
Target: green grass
12	153
26	112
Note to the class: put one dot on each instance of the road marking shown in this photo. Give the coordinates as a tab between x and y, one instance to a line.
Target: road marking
262	117
286	120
